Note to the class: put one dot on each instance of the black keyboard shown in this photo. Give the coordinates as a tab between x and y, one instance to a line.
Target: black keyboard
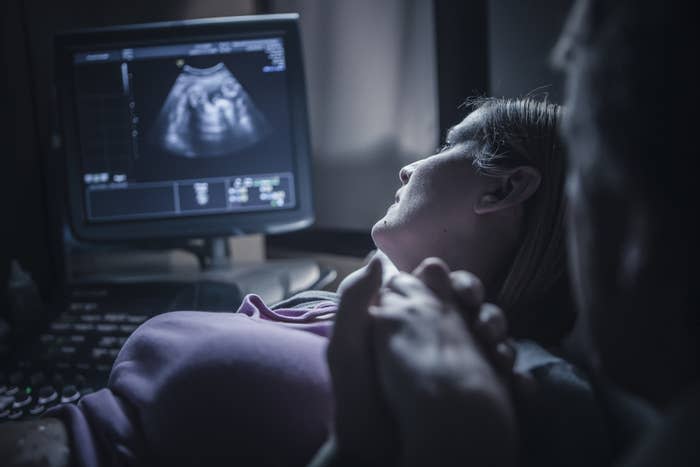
73	356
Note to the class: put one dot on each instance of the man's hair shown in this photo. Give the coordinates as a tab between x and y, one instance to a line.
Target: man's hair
535	289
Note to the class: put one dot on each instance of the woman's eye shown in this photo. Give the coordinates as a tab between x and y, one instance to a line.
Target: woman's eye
442	148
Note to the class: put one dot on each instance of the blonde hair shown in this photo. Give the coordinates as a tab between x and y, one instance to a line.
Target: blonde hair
534	290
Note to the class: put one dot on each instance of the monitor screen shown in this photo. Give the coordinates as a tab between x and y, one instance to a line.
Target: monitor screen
192	128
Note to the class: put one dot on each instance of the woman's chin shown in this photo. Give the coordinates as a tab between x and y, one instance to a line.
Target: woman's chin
384	237
380	231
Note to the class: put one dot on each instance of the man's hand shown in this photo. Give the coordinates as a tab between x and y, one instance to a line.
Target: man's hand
443	365
365	432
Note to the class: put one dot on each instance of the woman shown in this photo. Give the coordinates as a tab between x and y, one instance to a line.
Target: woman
491	202
192	388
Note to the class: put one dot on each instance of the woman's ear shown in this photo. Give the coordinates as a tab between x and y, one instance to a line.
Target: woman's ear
515	188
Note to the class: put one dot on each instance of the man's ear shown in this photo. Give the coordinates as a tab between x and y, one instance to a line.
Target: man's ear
634	250
514	189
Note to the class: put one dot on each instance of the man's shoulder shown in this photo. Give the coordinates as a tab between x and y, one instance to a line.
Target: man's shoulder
562	422
675	440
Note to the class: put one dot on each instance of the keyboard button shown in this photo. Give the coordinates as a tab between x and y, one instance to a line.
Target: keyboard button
103	368
60	327
69	394
136	319
4	414
68	350
107	327
83	327
37	409
81	306
115	317
22	399
6	402
3	389
108	341
77	339
99	353
12	390
46	395
128	328
16	414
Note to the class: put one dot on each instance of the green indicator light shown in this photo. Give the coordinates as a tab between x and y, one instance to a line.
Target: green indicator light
28	390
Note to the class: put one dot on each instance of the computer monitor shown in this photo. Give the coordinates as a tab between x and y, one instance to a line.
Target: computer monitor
192	128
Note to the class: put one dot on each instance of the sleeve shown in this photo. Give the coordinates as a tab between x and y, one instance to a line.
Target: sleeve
308	299
196	388
674	440
327	456
563	422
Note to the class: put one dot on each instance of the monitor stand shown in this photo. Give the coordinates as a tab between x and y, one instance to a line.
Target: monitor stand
209	262
273	280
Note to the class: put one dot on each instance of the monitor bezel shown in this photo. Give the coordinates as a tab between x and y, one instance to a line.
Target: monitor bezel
220	224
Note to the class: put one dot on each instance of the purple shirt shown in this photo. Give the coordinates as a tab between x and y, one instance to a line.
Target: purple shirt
252	389
200	388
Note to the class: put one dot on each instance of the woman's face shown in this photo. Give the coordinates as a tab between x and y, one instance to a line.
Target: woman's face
434	214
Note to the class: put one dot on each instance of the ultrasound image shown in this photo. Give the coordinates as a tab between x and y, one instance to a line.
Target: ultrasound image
207	113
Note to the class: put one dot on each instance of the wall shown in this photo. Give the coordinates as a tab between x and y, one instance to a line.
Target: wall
521	37
372	100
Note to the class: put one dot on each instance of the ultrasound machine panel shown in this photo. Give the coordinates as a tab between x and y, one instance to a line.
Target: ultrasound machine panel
188	129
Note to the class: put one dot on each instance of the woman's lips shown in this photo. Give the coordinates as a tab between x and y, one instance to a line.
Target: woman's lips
397	198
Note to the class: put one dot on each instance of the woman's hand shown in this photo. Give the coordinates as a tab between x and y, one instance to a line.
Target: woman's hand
364	431
443	366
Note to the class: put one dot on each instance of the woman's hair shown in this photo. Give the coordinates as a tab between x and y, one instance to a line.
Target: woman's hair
534	290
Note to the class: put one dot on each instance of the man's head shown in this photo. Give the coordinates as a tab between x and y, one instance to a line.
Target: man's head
629	189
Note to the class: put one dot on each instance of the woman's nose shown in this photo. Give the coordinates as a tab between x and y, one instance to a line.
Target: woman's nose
406	172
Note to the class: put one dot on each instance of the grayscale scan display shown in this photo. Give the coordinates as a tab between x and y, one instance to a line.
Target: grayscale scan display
207	113
175	130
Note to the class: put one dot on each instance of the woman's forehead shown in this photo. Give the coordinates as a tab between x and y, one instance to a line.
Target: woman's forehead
467	129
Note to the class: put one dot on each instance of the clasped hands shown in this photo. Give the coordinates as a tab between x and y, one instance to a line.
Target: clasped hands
421	371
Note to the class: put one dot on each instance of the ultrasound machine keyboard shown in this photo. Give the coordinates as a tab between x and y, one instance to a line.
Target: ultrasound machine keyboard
74	355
